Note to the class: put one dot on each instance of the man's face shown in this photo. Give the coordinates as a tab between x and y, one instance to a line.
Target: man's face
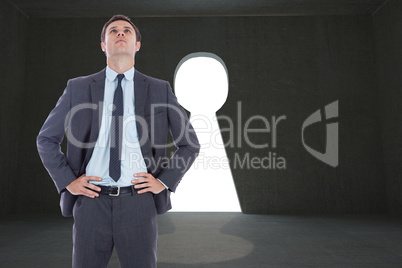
120	39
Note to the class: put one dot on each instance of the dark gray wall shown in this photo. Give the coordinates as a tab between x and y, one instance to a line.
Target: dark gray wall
277	66
294	66
388	36
13	31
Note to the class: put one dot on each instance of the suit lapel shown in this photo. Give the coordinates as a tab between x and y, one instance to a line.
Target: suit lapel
97	89
140	93
140	96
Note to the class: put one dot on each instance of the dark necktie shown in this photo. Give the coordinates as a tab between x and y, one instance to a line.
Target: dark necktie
116	130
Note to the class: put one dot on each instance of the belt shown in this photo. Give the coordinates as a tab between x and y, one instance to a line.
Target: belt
115	190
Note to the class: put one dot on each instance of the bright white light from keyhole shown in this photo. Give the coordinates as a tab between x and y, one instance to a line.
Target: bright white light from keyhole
201	86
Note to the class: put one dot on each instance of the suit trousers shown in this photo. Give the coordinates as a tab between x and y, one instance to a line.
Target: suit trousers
127	222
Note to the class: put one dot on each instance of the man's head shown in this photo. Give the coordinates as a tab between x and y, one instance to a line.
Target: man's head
120	36
120	17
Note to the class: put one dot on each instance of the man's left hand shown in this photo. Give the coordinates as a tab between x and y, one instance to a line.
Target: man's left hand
147	184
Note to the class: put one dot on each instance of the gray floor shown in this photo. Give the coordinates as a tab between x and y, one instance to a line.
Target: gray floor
224	240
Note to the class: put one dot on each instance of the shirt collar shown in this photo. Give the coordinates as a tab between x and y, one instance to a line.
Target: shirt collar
111	75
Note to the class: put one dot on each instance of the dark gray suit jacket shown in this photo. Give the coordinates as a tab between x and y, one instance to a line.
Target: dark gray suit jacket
78	115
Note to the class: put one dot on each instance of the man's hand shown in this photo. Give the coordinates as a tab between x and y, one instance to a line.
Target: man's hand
80	185
147	184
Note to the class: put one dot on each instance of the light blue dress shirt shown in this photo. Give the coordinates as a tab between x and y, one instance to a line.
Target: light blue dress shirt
132	160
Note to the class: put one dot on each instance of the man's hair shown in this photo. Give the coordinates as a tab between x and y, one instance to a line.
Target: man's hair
120	17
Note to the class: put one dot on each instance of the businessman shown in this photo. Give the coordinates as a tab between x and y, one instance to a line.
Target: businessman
115	177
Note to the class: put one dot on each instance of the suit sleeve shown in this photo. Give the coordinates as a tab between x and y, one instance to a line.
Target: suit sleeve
49	139
185	140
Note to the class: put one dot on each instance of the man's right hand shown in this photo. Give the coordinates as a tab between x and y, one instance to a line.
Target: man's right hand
80	186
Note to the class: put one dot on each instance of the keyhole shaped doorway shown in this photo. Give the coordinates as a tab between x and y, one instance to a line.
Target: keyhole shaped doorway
201	85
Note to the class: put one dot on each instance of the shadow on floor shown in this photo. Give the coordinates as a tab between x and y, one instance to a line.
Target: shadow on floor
224	240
